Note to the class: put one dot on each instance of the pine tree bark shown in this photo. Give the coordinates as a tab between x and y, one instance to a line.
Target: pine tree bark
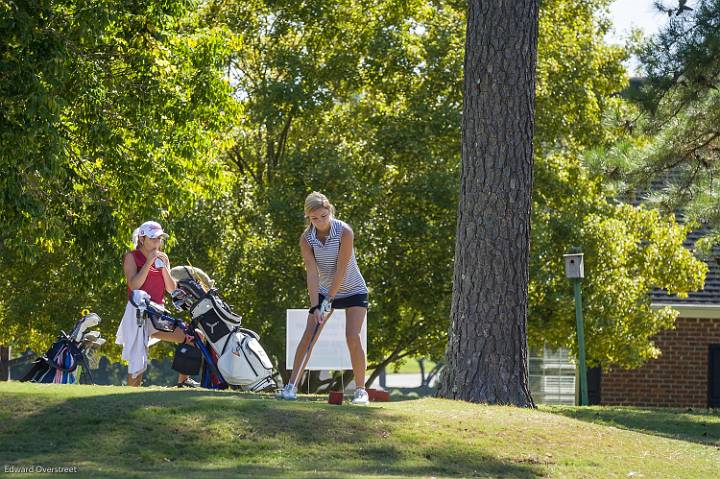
486	357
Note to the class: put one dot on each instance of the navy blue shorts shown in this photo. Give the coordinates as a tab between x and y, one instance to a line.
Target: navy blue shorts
360	300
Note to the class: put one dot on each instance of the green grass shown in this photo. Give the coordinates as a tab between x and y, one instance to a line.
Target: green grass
117	432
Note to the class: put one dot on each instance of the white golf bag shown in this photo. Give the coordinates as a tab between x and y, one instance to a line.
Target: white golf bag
242	361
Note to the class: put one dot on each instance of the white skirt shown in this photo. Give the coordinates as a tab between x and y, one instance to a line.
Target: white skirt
135	340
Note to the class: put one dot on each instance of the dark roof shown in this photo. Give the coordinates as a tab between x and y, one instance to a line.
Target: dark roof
710	294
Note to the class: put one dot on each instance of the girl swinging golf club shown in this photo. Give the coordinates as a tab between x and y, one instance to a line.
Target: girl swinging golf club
333	282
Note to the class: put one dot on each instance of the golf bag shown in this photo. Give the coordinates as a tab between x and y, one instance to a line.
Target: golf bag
70	356
236	357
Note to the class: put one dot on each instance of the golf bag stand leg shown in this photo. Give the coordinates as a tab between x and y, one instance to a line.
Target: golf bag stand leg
86	367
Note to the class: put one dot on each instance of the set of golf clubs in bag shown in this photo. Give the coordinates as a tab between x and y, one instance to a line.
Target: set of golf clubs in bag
225	354
70	356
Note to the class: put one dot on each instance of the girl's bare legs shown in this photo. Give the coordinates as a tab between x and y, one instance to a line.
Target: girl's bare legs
135	381
303	344
354	318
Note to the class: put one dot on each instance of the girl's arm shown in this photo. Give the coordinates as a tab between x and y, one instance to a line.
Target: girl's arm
313	278
170	283
346	248
135	279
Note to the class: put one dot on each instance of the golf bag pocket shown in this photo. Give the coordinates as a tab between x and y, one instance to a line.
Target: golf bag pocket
64	355
162	324
245	363
215	316
187	359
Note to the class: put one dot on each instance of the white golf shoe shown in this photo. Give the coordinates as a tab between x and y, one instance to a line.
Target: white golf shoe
288	392
361	397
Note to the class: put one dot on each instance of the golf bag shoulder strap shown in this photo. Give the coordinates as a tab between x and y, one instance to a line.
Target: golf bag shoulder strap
187	272
228	338
249	332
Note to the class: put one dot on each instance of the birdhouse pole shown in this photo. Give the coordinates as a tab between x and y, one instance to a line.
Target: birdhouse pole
575	271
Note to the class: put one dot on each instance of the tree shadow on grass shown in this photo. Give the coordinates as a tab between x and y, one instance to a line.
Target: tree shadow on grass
411	394
685	424
220	434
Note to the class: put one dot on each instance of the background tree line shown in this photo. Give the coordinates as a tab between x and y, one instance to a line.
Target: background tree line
217	118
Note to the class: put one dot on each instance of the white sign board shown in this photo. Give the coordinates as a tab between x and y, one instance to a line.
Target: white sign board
330	351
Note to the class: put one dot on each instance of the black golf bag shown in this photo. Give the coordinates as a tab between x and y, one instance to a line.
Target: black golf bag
70	356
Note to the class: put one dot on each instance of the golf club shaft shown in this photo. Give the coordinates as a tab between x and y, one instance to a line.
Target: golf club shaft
306	356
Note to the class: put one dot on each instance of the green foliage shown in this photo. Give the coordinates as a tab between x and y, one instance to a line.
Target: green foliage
361	104
680	105
627	251
369	114
578	77
131	117
110	114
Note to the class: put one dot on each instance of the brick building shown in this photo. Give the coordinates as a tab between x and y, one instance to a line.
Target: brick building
687	374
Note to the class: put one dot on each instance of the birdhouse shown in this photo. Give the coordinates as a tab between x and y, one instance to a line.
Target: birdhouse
574	266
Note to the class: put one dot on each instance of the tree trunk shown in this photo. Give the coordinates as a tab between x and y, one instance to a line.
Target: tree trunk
4	363
486	357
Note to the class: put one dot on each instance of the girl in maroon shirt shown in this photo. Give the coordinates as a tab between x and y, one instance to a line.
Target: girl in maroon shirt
147	268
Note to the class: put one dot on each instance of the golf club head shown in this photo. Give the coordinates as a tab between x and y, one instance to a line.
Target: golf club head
87	322
80	333
89	347
182	300
75	329
91	320
188	293
91	336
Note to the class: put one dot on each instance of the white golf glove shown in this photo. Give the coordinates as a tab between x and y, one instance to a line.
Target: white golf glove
326	306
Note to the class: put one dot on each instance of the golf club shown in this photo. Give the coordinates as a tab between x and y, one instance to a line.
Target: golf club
306	356
88	337
87	322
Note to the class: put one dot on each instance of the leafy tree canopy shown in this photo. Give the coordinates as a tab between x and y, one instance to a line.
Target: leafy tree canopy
674	159
361	102
110	114
369	113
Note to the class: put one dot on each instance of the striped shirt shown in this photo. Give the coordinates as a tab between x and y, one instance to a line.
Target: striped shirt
326	256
